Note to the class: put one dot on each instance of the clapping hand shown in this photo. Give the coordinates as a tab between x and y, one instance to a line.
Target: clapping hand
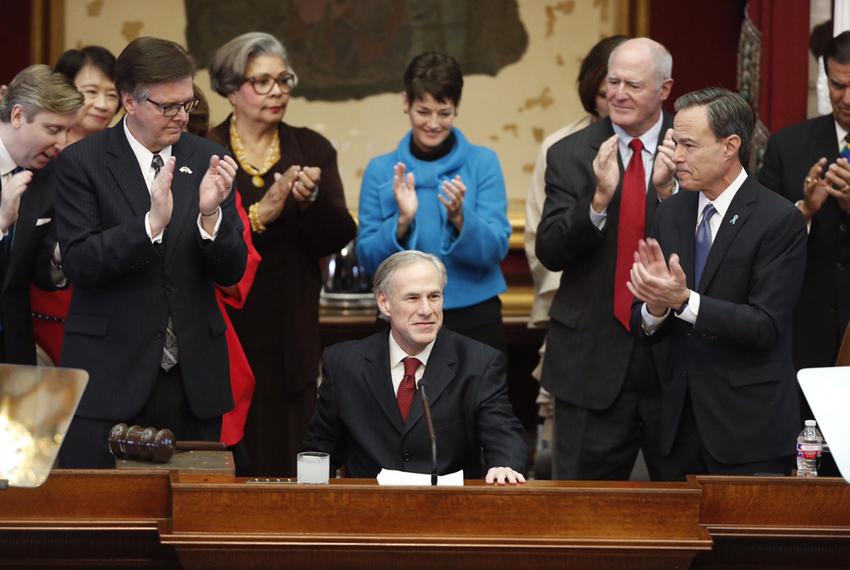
607	172
162	201
215	187
653	281
665	167
306	185
274	199
10	198
404	190
454	192
838	183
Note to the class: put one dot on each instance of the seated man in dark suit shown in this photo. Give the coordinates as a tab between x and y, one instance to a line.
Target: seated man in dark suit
38	109
737	253
369	414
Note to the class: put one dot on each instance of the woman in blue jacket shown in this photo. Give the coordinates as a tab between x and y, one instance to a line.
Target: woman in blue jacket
438	193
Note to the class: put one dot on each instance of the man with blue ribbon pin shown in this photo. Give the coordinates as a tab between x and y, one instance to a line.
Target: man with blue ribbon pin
720	281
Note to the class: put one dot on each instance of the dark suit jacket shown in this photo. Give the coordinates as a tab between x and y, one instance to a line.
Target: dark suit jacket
358	422
27	262
126	288
736	359
281	315
823	311
589	349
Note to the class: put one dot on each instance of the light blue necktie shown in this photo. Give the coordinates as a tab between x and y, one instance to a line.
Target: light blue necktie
703	242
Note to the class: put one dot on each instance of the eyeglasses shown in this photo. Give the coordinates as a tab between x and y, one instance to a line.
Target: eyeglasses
172	109
263	84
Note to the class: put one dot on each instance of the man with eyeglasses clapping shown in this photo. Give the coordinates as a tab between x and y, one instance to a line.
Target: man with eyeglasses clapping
147	226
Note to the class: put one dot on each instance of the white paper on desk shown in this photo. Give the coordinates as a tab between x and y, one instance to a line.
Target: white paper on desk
828	392
392	477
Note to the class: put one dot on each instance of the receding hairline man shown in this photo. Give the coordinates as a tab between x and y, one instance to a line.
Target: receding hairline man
603	186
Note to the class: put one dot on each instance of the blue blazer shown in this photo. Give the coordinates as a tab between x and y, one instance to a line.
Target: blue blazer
471	256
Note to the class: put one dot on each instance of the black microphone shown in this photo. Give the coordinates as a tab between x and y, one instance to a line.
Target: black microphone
430	424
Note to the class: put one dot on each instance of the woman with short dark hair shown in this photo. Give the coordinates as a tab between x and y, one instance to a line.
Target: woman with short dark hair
438	193
91	69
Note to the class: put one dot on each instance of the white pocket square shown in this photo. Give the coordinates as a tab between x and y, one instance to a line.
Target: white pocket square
42	221
185	170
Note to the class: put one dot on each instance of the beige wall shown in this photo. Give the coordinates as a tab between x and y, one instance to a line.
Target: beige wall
510	113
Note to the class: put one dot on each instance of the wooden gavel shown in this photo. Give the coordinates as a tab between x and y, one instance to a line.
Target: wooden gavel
150	444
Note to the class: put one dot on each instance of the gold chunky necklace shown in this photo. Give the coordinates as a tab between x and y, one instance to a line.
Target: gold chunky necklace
272	155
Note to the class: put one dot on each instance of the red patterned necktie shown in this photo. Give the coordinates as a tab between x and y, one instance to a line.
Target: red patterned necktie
407	388
629	230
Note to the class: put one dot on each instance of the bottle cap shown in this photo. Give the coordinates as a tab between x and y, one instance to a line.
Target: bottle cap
811	423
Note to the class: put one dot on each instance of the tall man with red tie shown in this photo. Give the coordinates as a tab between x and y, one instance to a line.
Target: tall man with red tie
603	185
369	414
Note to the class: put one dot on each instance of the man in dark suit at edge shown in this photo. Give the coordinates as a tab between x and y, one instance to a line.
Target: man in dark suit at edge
603	185
736	254
807	163
369	414
147	226
37	110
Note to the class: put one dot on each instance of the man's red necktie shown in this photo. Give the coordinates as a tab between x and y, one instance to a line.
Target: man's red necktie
630	229
407	388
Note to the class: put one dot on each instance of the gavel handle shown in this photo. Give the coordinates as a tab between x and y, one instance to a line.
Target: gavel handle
199	446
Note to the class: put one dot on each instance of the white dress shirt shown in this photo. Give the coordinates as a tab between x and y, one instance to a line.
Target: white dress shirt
650	144
7	165
145	160
840	133
721	205
397	356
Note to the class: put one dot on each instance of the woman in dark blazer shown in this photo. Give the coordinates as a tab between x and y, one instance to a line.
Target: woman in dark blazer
289	183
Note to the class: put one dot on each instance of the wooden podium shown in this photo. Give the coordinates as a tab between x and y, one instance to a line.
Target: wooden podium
159	519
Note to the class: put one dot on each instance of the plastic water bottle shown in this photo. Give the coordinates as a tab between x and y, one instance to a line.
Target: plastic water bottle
809	448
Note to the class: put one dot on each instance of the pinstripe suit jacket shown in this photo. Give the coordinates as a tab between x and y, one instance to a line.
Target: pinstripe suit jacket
126	287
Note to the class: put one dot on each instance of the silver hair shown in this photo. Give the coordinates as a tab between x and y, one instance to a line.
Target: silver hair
227	69
662	60
382	282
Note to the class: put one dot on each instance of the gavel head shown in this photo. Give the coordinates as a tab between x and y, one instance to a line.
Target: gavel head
140	443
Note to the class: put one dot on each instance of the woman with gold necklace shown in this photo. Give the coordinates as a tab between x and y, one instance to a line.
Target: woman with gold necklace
289	183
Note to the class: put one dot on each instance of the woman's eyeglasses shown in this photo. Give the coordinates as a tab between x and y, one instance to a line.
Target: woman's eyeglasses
263	84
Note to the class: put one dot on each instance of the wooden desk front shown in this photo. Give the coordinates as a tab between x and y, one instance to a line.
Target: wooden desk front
172	520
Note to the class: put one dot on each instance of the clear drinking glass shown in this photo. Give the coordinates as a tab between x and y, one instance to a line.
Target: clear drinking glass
314	467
